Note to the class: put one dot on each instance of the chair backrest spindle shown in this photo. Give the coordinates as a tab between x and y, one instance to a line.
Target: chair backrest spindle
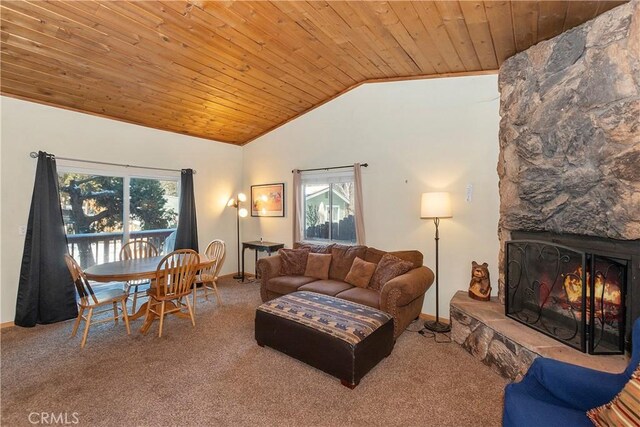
176	272
137	249
215	250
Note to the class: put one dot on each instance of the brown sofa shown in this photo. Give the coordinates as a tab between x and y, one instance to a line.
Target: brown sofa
401	297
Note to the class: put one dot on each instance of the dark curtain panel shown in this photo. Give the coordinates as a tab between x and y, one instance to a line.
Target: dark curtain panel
46	293
187	233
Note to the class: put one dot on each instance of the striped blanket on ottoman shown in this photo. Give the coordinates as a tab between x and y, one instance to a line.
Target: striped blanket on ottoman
340	337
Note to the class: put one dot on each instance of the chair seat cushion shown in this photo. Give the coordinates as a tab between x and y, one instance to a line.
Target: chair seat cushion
107	295
286	284
326	287
363	296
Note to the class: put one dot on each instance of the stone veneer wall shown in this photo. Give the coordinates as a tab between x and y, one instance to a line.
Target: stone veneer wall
570	132
502	353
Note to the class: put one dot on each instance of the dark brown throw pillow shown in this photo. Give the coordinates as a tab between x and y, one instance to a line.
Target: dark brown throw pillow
360	273
318	266
389	267
293	261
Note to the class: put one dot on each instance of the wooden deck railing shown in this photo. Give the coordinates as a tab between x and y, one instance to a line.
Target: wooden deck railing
105	247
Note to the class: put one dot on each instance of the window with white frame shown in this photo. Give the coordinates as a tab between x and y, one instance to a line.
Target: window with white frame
329	211
104	210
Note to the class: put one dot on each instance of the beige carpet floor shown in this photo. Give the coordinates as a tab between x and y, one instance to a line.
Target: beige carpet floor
215	374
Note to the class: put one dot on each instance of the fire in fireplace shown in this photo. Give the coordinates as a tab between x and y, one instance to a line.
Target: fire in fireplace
574	296
608	294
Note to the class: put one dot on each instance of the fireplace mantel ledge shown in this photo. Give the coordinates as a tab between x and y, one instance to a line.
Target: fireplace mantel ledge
508	346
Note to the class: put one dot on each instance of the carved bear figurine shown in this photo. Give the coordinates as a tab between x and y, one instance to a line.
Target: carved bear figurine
480	286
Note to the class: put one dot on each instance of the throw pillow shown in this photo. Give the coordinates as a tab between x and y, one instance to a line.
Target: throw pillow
623	410
293	261
389	267
360	273
318	266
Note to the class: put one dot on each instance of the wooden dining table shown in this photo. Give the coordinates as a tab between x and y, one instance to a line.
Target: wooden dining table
137	269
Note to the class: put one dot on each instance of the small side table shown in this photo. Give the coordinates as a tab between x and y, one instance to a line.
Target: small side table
258	246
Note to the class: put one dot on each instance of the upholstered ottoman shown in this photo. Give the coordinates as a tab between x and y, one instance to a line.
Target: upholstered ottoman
339	337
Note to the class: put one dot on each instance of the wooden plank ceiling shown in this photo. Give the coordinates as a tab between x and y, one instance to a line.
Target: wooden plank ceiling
231	71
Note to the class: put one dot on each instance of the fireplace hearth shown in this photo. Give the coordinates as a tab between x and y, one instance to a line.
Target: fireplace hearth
576	289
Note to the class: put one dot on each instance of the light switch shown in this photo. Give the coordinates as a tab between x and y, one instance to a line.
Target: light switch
22	230
469	196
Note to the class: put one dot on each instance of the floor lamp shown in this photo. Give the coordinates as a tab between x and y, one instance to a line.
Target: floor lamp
435	206
240	212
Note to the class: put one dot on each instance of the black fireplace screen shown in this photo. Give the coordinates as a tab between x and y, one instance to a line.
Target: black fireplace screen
575	297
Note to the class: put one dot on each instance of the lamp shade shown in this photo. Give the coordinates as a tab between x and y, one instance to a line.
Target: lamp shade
435	205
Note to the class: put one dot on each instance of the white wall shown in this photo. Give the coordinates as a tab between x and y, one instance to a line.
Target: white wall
29	127
417	136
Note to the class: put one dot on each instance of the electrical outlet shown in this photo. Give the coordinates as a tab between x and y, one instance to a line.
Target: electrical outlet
469	196
22	230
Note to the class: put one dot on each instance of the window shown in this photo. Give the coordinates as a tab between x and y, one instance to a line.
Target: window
102	212
329	213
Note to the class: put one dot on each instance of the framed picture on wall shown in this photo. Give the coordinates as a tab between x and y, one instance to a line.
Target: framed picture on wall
267	200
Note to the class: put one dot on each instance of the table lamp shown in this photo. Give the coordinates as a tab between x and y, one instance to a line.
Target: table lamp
234	202
435	206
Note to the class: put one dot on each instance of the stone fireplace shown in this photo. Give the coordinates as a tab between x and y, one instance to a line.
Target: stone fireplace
575	289
569	163
570	138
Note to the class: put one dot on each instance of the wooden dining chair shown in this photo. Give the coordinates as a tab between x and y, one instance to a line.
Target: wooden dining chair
137	249
174	278
208	277
88	300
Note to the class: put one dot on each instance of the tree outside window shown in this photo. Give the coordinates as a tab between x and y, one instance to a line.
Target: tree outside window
93	204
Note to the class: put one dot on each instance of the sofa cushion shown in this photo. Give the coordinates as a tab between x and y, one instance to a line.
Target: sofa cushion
342	257
414	257
286	284
366	297
326	287
389	267
360	273
375	255
294	261
314	248
318	266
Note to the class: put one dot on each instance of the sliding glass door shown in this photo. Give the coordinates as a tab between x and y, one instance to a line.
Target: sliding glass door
103	212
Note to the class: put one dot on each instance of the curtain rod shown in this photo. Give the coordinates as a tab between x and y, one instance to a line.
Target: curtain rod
34	155
364	165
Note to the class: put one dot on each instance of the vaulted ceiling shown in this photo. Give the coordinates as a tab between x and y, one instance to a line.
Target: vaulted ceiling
231	71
